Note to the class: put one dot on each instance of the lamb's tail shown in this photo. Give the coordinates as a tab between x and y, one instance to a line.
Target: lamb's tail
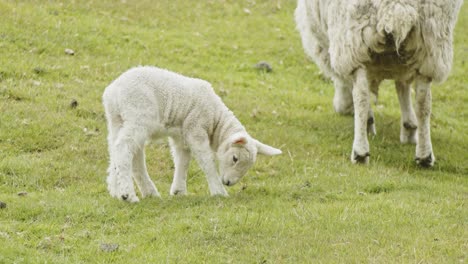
395	20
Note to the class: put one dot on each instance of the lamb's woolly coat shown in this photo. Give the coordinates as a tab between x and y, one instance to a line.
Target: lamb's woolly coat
170	104
148	102
359	43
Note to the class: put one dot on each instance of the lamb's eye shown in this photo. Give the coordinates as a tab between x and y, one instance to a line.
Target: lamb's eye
235	159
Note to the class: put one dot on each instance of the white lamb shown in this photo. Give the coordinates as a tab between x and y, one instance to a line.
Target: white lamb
147	102
359	43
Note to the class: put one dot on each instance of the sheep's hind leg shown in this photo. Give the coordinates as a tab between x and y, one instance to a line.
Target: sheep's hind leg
140	173
408	125
343	99
181	157
374	87
361	101
424	155
371	123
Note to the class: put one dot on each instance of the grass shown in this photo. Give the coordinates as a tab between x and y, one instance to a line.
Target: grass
309	205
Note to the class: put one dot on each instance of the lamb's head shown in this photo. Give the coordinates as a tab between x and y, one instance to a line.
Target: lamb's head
237	154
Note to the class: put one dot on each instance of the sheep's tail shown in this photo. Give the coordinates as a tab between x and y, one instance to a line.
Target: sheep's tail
396	18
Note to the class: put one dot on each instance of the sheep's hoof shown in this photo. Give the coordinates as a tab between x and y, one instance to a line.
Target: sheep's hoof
426	162
408	133
362	159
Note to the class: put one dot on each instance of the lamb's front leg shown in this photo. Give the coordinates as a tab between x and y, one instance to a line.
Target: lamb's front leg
361	101
200	146
140	173
181	156
408	118
424	154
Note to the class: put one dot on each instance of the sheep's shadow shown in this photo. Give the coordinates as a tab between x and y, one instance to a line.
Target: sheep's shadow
386	149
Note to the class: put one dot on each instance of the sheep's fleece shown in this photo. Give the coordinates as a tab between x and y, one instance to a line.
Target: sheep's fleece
148	102
359	43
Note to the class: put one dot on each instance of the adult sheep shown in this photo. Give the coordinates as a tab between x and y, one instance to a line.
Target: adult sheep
359	43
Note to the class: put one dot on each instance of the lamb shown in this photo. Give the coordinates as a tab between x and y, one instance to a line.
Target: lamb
148	103
359	43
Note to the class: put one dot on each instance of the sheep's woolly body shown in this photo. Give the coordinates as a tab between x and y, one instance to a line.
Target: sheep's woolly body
342	36
359	43
148	102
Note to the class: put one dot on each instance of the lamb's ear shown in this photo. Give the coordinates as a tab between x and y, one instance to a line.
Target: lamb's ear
239	140
266	150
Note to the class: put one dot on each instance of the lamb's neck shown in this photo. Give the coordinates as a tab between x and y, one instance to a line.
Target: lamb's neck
227	125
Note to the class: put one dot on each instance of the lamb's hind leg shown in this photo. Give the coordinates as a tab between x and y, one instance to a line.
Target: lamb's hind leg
181	156
424	154
114	124
129	140
408	125
361	101
140	174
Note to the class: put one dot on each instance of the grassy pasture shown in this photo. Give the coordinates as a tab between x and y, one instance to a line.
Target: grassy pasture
309	205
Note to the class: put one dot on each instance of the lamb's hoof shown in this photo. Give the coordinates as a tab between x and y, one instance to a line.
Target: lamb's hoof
178	189
362	159
178	192
426	162
130	198
220	193
150	193
146	195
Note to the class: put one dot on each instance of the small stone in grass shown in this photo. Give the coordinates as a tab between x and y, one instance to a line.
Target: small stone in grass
39	70
69	52
2	205
264	66
74	103
22	193
109	247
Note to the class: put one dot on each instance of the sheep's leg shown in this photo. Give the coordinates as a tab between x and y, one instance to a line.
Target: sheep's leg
200	147
424	154
361	100
140	174
343	99
371	123
408	125
120	171
371	130
181	157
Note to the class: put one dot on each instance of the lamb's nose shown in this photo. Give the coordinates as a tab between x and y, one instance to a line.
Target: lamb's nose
228	182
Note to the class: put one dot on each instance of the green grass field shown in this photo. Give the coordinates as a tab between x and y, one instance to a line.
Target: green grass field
309	205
